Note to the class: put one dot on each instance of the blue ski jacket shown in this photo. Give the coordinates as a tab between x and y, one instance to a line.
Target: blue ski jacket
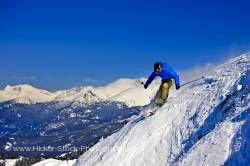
166	74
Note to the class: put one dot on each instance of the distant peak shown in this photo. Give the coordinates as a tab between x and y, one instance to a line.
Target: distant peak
19	87
7	87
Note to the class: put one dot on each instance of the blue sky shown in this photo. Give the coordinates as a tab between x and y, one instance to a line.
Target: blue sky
60	44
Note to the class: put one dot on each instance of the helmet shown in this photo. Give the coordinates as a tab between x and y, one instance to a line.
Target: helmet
157	65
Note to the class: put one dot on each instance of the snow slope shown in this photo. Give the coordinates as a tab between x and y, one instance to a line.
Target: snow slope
199	125
54	162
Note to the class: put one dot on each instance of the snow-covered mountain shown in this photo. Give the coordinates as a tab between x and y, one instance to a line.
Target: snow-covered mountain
128	91
204	123
64	124
86	114
25	94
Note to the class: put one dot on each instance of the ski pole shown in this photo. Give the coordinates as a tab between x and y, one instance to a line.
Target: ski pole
186	82
192	81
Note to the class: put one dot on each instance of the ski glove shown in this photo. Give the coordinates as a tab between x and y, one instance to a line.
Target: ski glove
145	86
178	87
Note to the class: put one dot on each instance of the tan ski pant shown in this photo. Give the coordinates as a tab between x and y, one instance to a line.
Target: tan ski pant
163	91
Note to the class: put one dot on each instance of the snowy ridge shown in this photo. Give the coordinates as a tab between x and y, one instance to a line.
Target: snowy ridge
198	126
25	94
128	91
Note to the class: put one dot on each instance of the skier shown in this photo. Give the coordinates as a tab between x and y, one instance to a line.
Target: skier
168	75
